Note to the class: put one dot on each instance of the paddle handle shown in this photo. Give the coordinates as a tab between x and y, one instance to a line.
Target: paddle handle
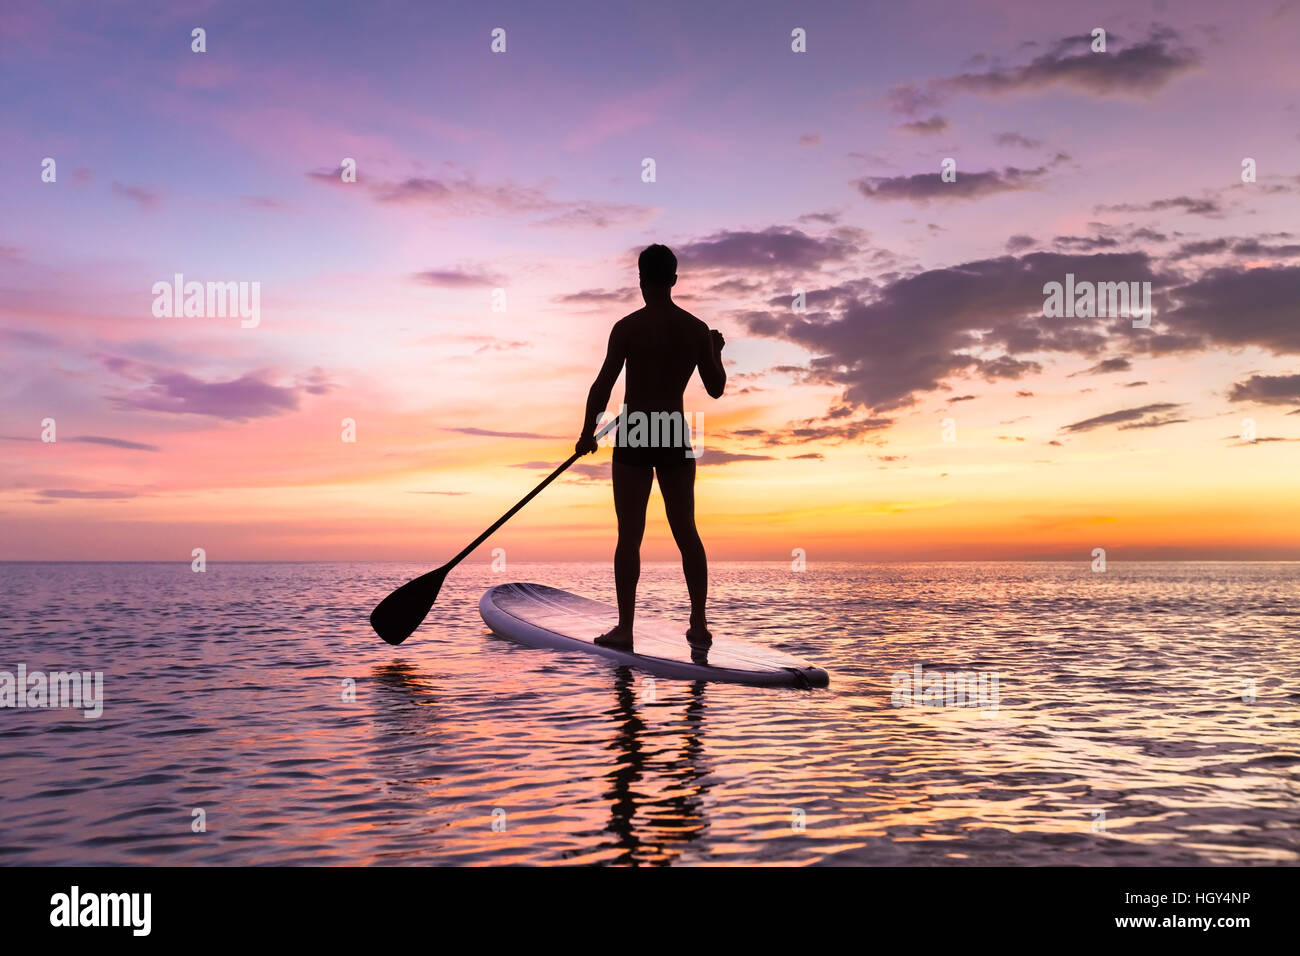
523	501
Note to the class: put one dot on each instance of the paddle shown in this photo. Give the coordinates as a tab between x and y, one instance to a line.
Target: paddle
398	615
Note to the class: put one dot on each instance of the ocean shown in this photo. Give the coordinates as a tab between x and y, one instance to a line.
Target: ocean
1145	715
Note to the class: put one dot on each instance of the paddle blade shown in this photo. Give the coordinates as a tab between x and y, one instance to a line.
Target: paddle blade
398	615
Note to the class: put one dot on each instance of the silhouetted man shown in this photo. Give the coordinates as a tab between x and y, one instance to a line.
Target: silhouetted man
662	345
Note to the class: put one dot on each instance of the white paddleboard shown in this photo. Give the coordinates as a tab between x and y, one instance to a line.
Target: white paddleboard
542	616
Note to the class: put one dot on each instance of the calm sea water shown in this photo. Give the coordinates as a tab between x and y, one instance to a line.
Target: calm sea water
1145	715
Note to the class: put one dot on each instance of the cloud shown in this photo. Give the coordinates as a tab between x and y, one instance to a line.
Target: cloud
597	296
1018	242
238	400
777	246
810	430
923	187
711	456
91	440
1267	390
457	193
1235	307
96	495
1106	366
1085	243
1139	70
457	279
1191	206
931	127
486	433
978	318
1016	139
146	199
1144	416
1245	248
114	442
1149	234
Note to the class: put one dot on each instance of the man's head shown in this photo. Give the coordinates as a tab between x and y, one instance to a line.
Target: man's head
658	267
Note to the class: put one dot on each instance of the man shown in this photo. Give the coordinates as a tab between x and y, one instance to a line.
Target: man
662	346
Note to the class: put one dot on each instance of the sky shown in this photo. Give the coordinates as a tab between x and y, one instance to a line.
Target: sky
454	301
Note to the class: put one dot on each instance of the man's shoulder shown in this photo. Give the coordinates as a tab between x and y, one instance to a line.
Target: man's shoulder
696	324
625	324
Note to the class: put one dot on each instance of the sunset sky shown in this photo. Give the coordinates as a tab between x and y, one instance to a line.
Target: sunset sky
776	171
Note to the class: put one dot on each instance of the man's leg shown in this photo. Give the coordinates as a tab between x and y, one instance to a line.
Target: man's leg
631	492
677	485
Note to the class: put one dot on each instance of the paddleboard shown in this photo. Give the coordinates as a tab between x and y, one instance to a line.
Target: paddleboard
542	616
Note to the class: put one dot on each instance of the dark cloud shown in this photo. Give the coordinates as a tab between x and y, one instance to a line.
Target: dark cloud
929	127
238	400
1017	139
1106	366
1144	416
597	296
1084	243
1238	443
1245	248
1139	70
1148	234
92	440
911	335
457	279
775	247
113	442
1204	247
1018	242
712	456
146	199
1187	204
810	430
1235	307
487	433
1267	390
923	187
457	193
95	495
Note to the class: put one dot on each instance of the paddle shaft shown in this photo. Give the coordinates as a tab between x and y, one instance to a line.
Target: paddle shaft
523	501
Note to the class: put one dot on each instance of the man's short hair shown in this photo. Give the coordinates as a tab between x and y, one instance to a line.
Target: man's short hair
657	265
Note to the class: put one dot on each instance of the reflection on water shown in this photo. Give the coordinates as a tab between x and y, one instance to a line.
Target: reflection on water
1145	715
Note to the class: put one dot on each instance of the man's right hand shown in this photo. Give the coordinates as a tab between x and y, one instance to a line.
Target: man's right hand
717	341
585	445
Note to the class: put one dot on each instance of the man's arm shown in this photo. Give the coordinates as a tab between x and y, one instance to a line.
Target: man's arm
712	374
598	396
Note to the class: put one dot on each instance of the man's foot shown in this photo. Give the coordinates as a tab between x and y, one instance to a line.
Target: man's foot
620	637
698	635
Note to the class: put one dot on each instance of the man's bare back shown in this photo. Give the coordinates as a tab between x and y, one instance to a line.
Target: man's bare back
663	345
